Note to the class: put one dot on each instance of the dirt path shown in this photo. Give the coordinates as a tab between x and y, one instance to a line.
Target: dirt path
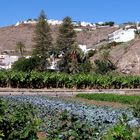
69	94
98	103
61	91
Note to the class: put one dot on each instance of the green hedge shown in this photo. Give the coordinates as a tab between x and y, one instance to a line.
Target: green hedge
111	98
35	79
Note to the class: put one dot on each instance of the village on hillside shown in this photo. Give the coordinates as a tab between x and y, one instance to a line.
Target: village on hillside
73	74
123	33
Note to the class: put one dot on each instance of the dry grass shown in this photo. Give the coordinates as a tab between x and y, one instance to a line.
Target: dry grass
10	35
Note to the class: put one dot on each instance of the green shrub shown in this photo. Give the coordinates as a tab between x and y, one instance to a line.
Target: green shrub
69	127
18	122
26	64
104	67
136	109
123	131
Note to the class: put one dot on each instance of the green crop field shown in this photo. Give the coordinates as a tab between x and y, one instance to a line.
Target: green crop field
125	99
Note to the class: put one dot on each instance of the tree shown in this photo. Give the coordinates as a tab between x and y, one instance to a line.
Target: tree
20	47
27	64
110	23
73	59
42	40
67	36
104	64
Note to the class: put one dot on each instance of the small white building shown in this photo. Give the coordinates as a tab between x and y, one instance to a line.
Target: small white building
26	22
78	29
84	48
55	22
6	61
84	24
50	21
122	35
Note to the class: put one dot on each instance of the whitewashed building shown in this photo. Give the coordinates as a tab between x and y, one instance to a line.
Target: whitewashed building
50	21
78	29
84	24
6	61
122	35
26	22
55	22
84	48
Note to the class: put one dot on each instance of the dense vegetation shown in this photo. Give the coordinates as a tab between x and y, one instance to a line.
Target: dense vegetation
123	131
18	121
21	121
131	99
73	59
109	23
27	65
42	41
68	126
65	52
34	79
80	121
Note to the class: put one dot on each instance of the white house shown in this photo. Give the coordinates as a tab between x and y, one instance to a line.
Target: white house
122	35
84	24
84	48
50	21
55	22
26	22
6	61
78	29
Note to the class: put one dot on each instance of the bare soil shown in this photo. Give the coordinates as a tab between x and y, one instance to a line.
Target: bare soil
9	36
41	135
98	103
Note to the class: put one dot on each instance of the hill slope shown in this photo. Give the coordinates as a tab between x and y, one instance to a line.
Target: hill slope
130	60
127	55
12	34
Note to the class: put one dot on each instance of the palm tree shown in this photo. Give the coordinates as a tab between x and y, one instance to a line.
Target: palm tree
105	63
20	47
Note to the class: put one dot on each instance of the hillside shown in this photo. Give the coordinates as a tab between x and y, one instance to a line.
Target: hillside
126	56
130	60
12	34
9	36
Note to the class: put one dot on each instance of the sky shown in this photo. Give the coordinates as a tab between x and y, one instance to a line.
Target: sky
119	11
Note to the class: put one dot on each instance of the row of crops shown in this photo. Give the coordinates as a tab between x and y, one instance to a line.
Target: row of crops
69	120
125	99
36	79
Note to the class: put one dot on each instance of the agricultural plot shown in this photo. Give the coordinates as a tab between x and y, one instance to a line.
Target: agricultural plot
125	99
63	119
38	80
